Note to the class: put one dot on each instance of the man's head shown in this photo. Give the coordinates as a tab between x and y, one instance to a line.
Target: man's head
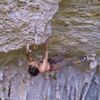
33	71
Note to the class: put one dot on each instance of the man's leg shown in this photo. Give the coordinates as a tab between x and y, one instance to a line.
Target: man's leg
58	58
70	62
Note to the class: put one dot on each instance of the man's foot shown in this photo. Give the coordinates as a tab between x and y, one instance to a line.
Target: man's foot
84	59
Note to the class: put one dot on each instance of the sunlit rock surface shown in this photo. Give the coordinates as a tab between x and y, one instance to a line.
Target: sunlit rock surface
18	19
75	33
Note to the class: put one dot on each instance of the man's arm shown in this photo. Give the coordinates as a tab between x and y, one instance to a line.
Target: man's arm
45	61
46	52
29	59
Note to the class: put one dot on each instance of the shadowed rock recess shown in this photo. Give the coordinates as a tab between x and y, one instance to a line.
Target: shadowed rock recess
74	27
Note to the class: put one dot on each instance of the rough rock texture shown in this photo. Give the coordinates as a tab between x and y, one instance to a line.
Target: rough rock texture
68	83
18	19
77	23
75	33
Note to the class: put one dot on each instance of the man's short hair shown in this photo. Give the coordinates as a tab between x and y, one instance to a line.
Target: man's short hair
33	71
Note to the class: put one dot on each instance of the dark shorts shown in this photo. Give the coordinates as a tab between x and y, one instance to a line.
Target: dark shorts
53	62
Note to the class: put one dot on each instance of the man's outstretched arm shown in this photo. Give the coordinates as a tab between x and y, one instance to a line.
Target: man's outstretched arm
46	52
45	61
29	59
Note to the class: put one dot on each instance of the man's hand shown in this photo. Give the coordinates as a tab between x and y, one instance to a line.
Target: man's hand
27	48
29	59
48	40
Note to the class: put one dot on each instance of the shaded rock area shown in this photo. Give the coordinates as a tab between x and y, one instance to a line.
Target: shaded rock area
77	82
77	23
75	32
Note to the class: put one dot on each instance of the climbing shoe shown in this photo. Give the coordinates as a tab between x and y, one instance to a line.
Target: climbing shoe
84	59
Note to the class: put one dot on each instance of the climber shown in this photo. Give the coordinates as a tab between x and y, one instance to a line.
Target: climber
47	64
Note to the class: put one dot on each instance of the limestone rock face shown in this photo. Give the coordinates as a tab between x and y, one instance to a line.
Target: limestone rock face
73	26
78	26
19	18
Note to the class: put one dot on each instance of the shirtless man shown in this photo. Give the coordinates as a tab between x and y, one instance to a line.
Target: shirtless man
47	64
